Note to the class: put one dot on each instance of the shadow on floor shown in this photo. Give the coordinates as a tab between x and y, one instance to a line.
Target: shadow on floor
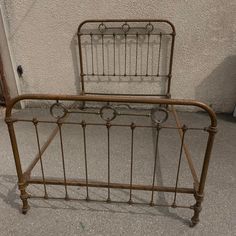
226	117
10	195
219	88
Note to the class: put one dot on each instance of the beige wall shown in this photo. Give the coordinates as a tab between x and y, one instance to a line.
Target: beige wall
7	58
41	36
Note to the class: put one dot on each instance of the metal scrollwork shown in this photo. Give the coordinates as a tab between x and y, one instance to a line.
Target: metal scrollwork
125	27
149	27
108	113
159	115
102	28
58	110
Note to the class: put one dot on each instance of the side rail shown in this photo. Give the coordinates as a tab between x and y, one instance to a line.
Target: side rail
110	113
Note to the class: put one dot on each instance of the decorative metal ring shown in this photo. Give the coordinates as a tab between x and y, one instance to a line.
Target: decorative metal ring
109	109
125	27
154	115
102	28
61	107
149	27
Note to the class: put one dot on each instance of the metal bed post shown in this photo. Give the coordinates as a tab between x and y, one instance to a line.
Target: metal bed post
22	184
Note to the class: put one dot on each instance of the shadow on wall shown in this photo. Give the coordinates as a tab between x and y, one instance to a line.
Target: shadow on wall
75	60
219	88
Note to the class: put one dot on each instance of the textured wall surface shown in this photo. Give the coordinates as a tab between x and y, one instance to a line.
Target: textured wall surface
6	58
42	39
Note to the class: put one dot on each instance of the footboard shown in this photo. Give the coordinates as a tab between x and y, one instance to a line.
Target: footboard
108	145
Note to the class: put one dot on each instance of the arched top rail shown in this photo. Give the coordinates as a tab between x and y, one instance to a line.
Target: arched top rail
128	21
124	99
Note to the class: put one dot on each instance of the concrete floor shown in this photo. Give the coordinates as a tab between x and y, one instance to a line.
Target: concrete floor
59	217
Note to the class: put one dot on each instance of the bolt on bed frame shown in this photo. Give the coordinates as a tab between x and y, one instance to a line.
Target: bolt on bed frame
122	31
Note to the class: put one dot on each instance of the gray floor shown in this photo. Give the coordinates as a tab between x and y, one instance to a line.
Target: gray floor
59	217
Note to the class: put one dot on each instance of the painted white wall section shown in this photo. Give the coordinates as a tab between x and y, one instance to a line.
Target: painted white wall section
7	58
42	32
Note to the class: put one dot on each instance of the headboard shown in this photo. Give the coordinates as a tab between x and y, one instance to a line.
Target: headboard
126	57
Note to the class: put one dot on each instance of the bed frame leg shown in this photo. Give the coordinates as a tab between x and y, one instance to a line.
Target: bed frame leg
24	198
22	184
197	207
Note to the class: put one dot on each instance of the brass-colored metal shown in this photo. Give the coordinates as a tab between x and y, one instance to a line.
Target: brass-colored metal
114	103
184	129
85	158
155	163
187	153
35	121
108	125
100	184
21	179
63	159
156	111
46	144
132	126
40	153
115	99
125	29
25	178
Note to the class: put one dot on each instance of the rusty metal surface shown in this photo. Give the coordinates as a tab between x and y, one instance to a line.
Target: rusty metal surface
140	41
106	114
108	121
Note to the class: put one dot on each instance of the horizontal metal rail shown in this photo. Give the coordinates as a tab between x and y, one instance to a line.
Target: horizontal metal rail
127	20
100	184
119	99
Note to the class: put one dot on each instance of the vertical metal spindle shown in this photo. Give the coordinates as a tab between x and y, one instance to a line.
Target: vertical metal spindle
184	129
132	126
125	52
136	60
114	51
108	125
171	61
103	71
35	122
159	56
147	54
85	158
91	35
81	64
155	164
63	159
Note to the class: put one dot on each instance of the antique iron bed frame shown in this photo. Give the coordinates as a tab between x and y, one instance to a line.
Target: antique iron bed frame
108	112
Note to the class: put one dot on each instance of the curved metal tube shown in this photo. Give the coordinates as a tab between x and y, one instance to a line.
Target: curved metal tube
124	99
127	20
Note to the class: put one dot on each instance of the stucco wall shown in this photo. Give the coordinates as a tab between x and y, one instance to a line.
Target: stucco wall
42	39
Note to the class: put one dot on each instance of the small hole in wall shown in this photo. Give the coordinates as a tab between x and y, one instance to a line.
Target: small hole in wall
19	71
